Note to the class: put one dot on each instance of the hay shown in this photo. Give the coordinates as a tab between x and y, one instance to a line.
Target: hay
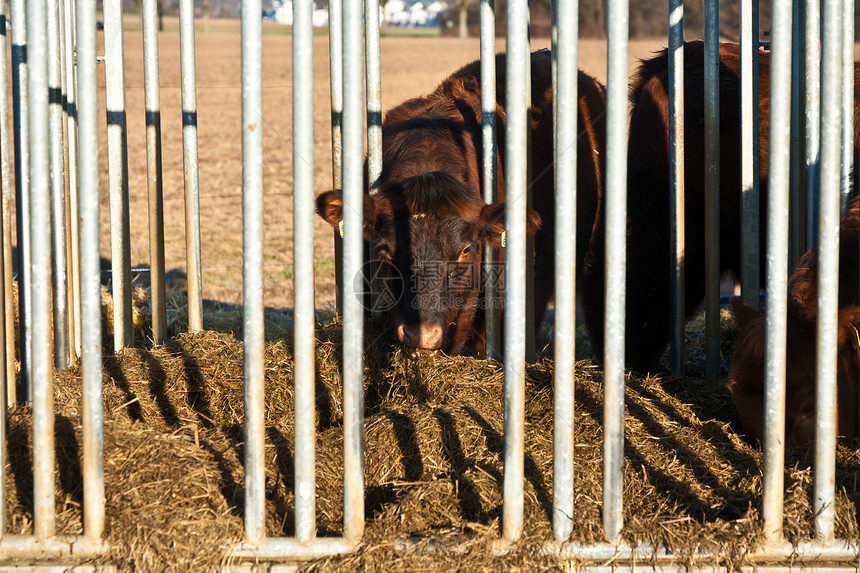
433	450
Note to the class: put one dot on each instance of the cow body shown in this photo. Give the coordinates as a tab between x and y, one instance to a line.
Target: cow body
428	224
748	357
649	231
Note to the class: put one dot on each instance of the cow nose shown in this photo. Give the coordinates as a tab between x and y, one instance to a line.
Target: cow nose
420	336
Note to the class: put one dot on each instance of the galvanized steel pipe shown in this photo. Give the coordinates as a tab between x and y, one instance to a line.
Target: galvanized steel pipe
847	185
74	231
712	190
335	49
489	154
777	271
8	325
566	111
42	373
812	66
824	485
353	257
252	271
517	91
616	272
149	14
117	155
303	265
190	166
21	128
750	263
91	342
676	181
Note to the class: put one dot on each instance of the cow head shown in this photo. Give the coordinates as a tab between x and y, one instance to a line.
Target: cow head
428	232
748	371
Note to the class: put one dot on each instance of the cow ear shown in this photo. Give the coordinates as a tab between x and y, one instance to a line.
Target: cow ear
849	328
741	312
330	208
493	223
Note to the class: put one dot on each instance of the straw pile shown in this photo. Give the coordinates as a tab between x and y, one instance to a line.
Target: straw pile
433	451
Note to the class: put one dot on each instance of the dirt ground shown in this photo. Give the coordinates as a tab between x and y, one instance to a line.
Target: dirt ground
411	66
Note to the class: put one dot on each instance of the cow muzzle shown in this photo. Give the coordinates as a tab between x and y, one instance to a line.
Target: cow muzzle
419	338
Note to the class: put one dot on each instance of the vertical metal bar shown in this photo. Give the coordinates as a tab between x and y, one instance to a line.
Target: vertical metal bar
796	181
149	14
847	101
676	178
193	253
303	264
777	269
335	49
712	189
517	88
374	94
40	229
58	189
813	116
8	324
566	112
66	212
353	255
93	430
616	252
6	351
22	186
750	263
490	174
828	270
117	148
252	257
74	231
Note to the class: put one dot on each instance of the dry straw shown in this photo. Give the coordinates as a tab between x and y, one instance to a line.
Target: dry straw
433	439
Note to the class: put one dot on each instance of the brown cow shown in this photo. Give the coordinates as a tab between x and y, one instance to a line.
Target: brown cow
649	232
428	223
748	357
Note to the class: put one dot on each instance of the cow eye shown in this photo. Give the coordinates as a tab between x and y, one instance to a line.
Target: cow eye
383	253
465	252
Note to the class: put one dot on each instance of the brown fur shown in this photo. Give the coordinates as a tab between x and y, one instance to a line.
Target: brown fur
747	368
429	209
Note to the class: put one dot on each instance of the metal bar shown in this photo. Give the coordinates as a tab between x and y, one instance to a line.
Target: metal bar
117	152
74	231
193	253
796	179
777	271
516	182
750	263
804	552
712	190
824	489
566	112
57	189
303	267
92	414
252	273
335	47
676	178
40	237
616	252
847	185
149	14
7	209
30	547
353	255
22	187
812	106
278	547
489	154
374	94
66	208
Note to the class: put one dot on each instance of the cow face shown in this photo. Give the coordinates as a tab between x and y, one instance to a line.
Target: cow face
748	372
428	234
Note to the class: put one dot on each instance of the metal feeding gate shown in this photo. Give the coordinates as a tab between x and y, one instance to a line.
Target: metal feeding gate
57	166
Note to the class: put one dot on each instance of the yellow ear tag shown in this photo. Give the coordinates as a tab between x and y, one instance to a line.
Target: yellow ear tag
340	228
856	335
503	238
